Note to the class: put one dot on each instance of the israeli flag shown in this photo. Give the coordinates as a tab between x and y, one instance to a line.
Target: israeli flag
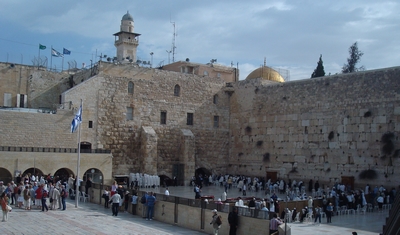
77	120
56	53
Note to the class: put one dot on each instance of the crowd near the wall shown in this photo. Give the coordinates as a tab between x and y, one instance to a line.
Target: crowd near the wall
334	198
39	192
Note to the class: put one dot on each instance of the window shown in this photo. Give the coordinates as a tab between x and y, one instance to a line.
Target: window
177	90
189	119
218	75
205	73
130	87
215	100
216	121
129	113
163	117
90	124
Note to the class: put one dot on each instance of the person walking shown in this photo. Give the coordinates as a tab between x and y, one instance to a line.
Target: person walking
63	195
329	211
115	200
233	220
317	214
4	205
44	198
216	222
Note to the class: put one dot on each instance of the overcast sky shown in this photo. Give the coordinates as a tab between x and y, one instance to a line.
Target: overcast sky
289	34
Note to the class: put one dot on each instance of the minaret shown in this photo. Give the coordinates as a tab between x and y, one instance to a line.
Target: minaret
126	41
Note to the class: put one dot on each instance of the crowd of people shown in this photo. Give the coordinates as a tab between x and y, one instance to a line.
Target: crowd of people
34	192
334	198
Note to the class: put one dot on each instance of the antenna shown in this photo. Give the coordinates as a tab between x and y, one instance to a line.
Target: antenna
173	41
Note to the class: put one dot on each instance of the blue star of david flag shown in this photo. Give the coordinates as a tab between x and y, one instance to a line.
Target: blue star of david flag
77	120
66	52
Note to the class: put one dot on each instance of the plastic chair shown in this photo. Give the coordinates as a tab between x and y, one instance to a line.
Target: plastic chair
309	217
297	218
370	208
84	197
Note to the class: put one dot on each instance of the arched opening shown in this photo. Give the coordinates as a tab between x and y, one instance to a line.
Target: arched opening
177	90
130	87
95	174
63	174
86	147
201	175
5	176
33	171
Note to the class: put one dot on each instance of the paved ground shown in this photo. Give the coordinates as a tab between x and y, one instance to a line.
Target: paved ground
91	218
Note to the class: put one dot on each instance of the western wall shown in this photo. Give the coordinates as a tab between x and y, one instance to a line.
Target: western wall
321	128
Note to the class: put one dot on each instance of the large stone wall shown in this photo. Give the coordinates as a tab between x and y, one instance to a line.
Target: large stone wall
36	129
106	99
320	129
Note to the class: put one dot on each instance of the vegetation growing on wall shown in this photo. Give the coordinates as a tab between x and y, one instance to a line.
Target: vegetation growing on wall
387	143
266	157
248	129
368	174
331	135
367	114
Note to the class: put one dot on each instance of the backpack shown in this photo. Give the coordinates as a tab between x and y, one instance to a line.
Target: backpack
219	220
143	199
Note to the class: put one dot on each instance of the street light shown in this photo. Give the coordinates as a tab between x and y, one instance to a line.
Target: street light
151	64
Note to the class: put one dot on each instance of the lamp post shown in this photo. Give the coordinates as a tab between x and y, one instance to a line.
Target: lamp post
151	54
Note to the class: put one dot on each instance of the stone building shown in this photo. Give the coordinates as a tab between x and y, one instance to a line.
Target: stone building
178	123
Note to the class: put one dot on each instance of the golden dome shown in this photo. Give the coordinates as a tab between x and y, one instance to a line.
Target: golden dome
266	73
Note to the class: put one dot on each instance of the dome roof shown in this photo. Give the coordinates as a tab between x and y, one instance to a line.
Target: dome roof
266	73
127	16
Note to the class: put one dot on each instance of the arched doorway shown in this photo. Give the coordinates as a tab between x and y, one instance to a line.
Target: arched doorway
95	174
5	176
33	171
63	174
202	175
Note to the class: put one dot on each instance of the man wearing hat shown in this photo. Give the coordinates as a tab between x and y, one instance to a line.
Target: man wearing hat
214	223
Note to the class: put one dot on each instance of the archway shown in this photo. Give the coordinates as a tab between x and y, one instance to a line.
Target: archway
95	174
63	174
33	171
202	175
5	176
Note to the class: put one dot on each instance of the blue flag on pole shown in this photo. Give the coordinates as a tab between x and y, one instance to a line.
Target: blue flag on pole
77	120
66	52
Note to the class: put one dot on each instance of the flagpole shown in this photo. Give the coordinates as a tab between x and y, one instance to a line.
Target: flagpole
79	161
51	57
38	58
62	66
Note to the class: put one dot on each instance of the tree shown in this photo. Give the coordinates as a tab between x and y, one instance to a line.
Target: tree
319	70
355	57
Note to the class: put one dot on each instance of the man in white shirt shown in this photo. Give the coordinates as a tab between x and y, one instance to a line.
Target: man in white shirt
166	192
115	200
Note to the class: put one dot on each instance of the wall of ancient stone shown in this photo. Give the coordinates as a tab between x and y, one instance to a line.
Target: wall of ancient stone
106	99
36	129
320	129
